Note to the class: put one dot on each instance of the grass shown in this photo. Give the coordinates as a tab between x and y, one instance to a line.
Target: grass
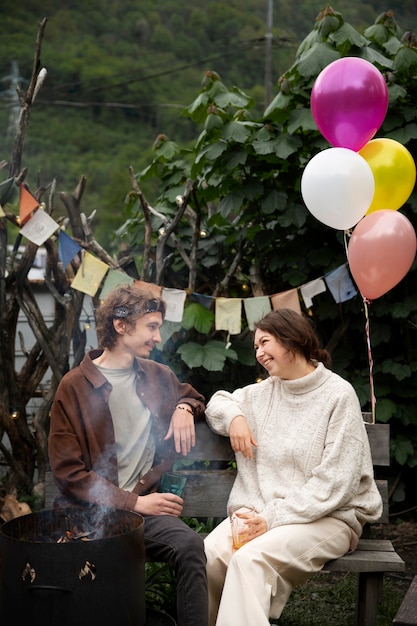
325	600
329	598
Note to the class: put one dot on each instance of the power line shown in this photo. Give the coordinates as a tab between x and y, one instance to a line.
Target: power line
226	52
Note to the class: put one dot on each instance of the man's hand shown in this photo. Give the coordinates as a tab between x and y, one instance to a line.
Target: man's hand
183	430
159	504
241	438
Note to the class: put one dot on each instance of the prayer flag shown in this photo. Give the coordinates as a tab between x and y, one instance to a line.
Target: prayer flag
113	279
311	289
156	290
286	300
256	308
340	284
203	299
228	315
39	227
89	275
174	300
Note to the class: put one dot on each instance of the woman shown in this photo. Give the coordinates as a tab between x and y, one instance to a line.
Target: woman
304	464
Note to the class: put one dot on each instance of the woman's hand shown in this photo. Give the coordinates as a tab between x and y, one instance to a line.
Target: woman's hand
159	504
256	526
241	438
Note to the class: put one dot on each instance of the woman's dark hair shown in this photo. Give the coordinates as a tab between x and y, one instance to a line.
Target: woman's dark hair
125	302
294	332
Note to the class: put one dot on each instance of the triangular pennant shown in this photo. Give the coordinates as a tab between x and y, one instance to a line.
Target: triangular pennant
2	213
27	205
67	248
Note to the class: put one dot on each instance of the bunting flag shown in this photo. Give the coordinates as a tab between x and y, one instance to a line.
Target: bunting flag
286	300
89	275
9	192
340	284
174	300
67	248
27	204
228	315
2	213
311	289
156	290
113	279
39	227
255	309
203	299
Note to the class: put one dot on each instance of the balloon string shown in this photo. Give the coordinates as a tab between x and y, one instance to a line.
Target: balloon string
370	360
346	235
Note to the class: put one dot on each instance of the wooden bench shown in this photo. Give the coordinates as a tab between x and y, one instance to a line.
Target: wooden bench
407	613
210	479
207	491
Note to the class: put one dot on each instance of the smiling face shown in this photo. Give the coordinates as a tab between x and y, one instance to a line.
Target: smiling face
279	360
272	355
140	340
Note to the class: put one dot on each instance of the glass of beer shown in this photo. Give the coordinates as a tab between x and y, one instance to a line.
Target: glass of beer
238	515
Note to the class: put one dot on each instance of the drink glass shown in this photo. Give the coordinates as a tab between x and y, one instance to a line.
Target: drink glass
173	483
238	515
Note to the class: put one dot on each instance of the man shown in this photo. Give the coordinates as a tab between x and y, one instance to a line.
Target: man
118	421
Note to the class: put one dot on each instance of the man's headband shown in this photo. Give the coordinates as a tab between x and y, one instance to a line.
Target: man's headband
147	306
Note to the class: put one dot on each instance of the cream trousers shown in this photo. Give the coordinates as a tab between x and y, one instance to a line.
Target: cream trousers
254	583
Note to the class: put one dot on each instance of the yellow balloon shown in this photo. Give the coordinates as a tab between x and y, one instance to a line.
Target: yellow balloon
394	172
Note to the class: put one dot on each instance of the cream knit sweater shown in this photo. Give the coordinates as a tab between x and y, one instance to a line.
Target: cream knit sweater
313	458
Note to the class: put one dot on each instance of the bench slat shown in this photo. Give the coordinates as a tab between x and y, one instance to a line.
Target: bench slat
407	613
367	561
206	492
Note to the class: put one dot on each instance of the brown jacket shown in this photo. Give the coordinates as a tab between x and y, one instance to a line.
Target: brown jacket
82	450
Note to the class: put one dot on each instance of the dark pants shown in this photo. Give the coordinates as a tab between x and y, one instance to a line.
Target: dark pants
169	540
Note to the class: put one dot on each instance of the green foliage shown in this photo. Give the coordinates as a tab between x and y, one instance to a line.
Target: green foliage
212	355
246	160
247	170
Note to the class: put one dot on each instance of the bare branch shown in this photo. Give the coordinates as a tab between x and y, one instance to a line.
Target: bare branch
148	227
26	105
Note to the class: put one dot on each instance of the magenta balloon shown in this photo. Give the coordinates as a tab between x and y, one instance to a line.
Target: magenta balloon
381	250
349	101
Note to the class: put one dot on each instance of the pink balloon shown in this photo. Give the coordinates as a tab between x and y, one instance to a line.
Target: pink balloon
349	101
381	250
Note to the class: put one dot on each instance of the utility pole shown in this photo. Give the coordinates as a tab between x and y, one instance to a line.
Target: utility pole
268	55
12	96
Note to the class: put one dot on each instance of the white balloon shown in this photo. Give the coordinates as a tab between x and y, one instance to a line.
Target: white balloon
338	187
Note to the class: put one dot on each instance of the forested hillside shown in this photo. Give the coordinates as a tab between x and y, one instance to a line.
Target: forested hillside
120	73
